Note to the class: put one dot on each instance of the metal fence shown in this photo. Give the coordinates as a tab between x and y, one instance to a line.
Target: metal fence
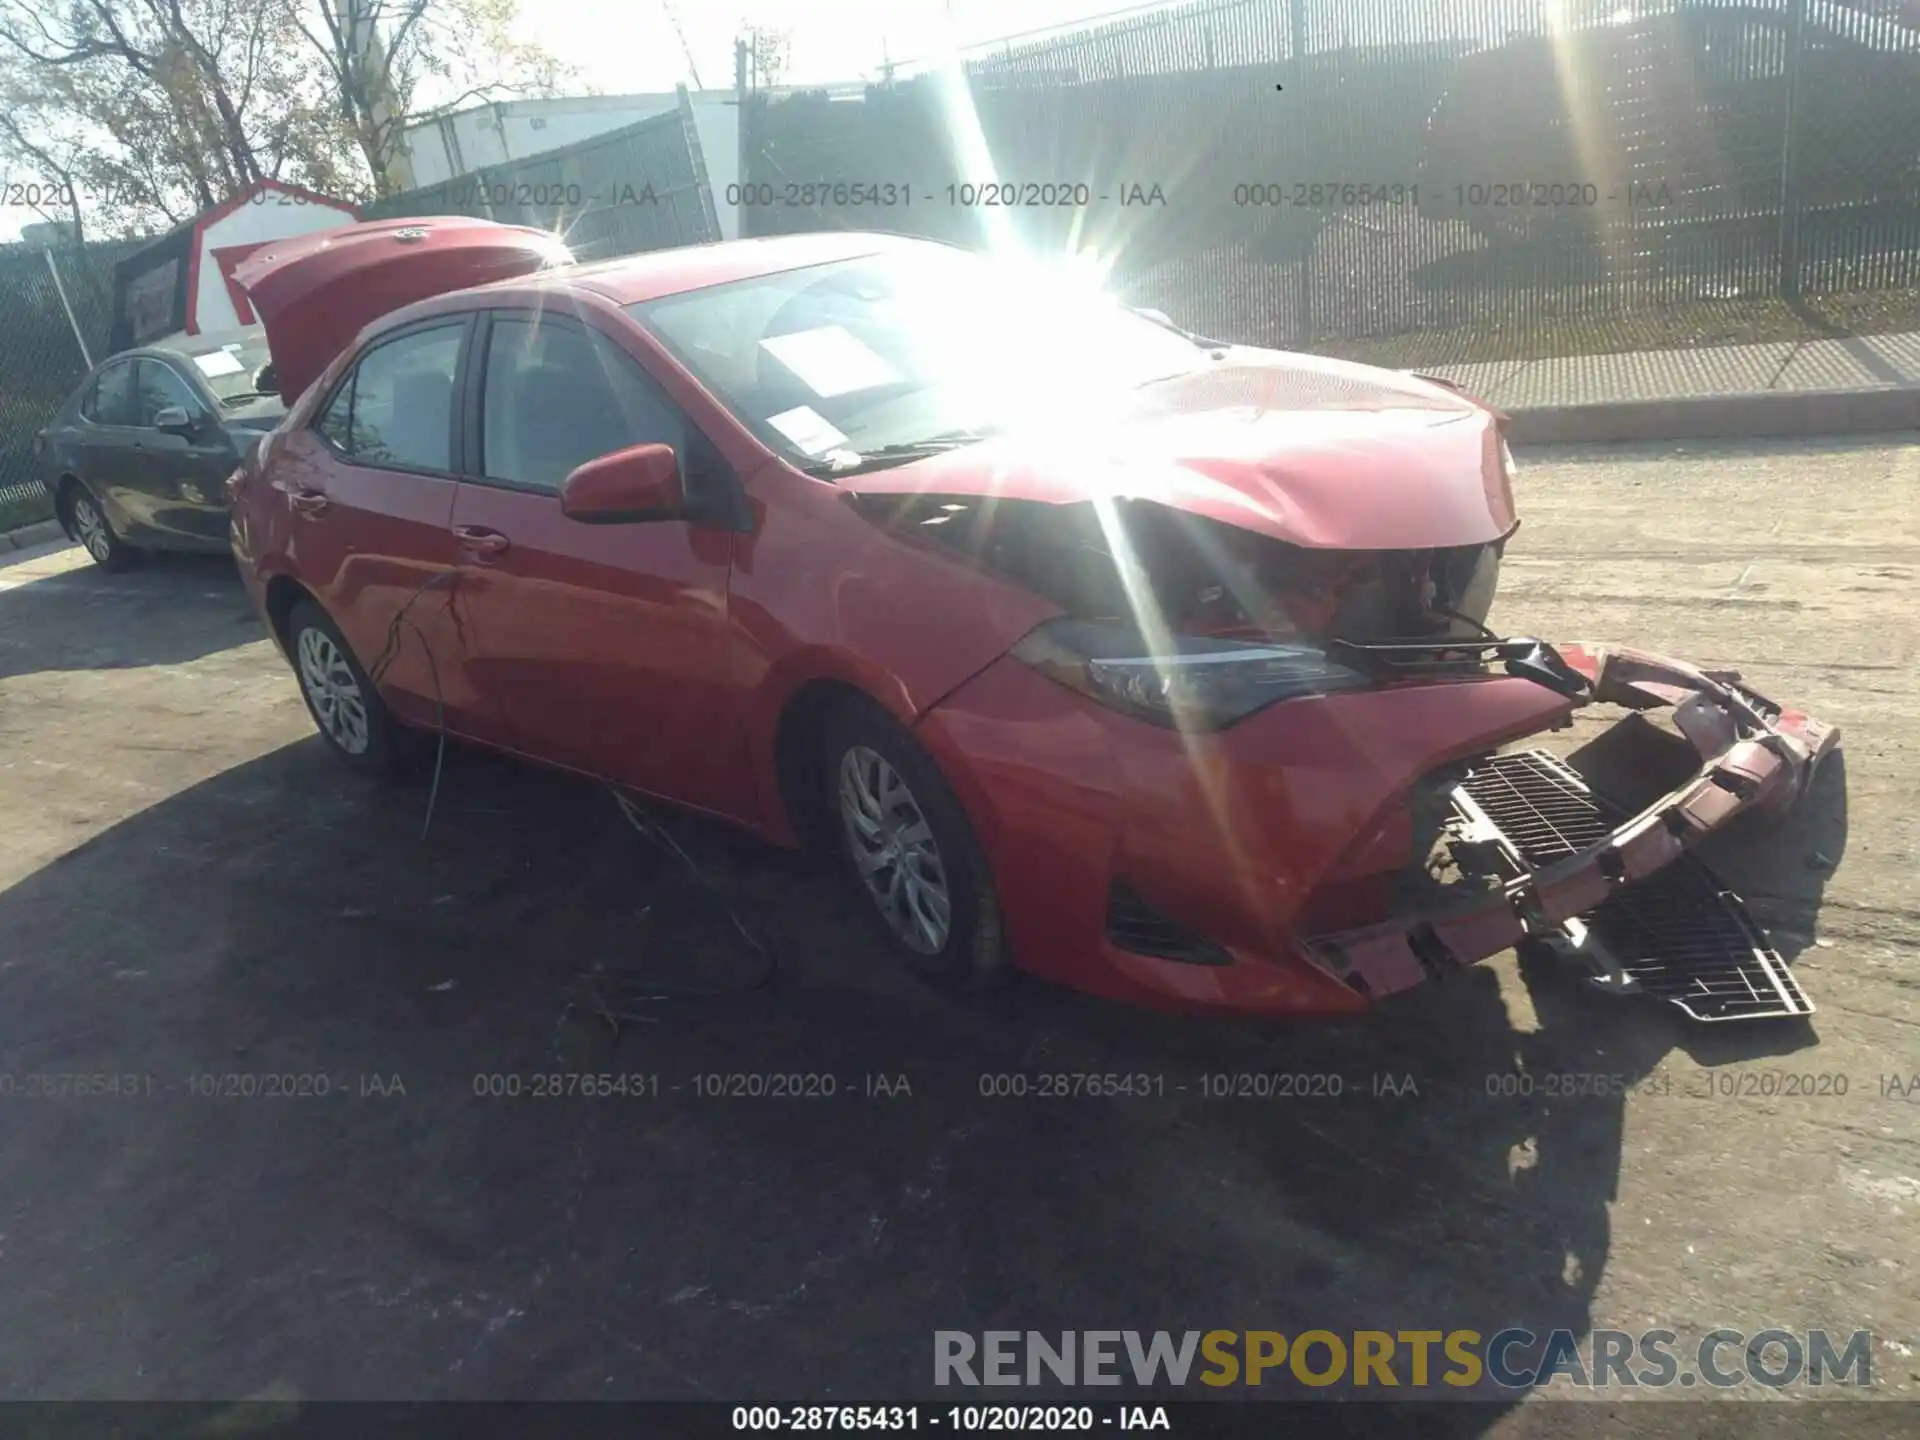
40	357
642	187
1300	171
1281	172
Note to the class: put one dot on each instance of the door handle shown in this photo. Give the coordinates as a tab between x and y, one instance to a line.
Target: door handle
308	502
480	540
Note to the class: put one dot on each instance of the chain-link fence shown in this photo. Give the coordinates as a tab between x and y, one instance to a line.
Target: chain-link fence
40	357
1271	171
642	187
1300	171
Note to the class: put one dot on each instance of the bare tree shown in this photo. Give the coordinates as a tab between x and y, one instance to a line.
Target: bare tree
158	108
152	110
51	157
769	52
382	55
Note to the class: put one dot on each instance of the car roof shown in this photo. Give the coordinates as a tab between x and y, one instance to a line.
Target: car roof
632	279
183	346
181	343
652	274
141	352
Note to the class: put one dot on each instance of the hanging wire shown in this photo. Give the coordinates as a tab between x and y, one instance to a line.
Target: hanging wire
390	651
612	997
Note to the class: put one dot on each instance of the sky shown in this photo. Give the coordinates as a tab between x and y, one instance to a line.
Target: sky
832	41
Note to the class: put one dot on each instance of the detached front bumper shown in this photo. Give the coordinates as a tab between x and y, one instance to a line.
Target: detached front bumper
1567	864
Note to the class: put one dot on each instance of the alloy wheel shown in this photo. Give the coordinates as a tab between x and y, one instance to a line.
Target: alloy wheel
894	850
335	695
92	526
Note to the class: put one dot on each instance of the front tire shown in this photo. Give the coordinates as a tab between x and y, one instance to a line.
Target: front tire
94	531
909	851
345	707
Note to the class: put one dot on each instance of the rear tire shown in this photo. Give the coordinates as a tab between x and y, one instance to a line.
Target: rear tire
907	848
88	521
345	706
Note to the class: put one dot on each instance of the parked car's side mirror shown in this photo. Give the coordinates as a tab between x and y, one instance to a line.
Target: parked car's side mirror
266	380
639	483
174	420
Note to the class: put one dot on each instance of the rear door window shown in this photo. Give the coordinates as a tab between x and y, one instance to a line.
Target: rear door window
111	399
395	409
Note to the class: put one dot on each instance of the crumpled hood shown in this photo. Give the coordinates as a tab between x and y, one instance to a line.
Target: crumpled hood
1316	452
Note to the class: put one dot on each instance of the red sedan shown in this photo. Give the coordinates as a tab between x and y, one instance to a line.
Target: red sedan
1143	662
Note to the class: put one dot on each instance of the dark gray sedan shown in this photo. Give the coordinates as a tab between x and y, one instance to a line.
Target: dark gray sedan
137	458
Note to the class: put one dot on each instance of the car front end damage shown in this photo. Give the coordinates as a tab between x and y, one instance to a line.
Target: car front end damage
1243	774
1564	869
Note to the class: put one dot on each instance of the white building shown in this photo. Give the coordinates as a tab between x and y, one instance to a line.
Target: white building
492	134
440	151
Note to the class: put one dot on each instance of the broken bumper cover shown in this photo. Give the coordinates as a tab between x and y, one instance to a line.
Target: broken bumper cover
1755	754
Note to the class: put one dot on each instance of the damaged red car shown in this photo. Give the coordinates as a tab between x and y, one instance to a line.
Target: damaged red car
1152	665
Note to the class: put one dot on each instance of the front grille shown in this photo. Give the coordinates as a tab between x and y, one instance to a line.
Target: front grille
1539	804
1679	934
1136	926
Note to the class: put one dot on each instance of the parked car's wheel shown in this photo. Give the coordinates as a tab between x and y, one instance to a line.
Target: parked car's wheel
345	707
91	527
910	852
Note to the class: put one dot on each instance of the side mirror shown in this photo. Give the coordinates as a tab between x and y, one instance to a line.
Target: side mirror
173	420
639	483
266	380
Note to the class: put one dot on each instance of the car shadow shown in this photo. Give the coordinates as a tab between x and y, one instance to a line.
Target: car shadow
351	1057
188	605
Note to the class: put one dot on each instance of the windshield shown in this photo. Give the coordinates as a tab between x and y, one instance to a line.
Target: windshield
836	365
229	370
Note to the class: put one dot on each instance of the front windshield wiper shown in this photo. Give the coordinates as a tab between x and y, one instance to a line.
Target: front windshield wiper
1166	322
900	453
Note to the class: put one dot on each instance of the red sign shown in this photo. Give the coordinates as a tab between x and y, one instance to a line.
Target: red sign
227	257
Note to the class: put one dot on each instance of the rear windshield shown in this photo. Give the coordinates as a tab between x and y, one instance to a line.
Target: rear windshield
232	370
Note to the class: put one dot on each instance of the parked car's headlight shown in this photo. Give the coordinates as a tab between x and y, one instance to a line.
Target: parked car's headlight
1195	683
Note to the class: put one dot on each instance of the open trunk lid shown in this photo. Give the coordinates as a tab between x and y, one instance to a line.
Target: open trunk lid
314	293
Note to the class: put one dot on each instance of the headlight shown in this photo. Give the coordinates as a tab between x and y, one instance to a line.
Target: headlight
1202	684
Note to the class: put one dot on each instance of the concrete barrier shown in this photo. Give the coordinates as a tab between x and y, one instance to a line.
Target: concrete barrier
1769	414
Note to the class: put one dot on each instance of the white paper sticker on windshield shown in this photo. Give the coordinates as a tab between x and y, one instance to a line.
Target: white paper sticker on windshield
830	362
218	362
807	428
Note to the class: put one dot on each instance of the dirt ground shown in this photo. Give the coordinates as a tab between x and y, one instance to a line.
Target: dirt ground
193	891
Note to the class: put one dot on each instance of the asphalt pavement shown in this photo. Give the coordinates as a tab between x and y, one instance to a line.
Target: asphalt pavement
331	1168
